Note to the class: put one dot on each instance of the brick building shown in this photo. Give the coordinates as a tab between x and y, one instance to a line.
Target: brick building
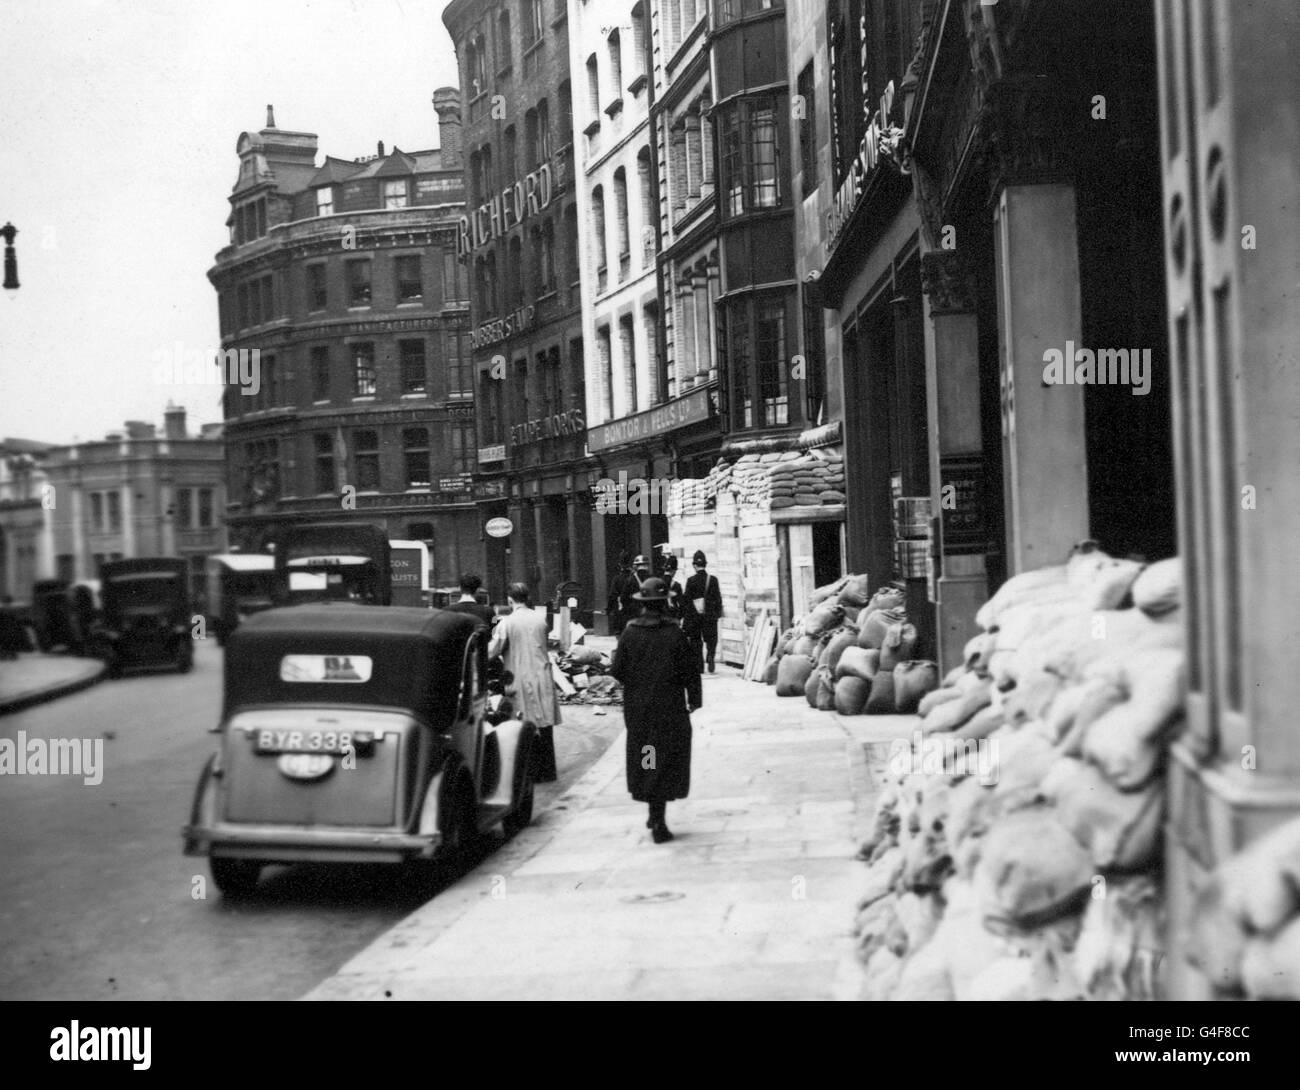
343	279
519	243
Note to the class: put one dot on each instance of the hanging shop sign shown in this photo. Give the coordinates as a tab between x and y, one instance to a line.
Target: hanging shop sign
528	196
499	527
877	142
502	329
548	427
691	409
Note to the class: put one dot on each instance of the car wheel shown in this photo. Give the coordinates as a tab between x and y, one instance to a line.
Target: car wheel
235	877
522	815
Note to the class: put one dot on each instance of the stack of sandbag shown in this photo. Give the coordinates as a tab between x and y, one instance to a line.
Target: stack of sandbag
807	480
1026	812
1246	927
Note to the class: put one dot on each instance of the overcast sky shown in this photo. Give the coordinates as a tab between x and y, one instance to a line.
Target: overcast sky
118	122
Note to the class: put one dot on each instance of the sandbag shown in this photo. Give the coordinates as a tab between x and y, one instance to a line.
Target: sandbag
1270	965
822	593
812	687
806	646
978	649
851	695
912	681
856	592
933	699
1120	940
771	669
792	675
1159	588
1031	868
858	662
1120	829
888	597
1096	697
897	646
881	700
826	691
1127	742
842	640
876	623
950	716
1262	883
822	619
983	723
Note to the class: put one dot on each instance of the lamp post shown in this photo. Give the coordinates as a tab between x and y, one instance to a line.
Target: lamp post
11	259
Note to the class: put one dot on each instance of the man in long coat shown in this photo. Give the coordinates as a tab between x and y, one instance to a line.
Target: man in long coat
520	640
701	608
621	588
661	687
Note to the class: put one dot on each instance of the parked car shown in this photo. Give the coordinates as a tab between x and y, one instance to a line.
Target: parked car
146	619
356	733
50	616
239	585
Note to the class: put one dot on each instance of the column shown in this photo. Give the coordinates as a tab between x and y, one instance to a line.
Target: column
694	163
129	548
685	340
700	290
715	279
627	361
538	576
706	148
46	564
518	540
956	449
80	547
598	586
677	180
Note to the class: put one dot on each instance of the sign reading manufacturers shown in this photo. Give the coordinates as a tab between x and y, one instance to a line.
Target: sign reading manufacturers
501	329
527	197
548	427
868	158
693	408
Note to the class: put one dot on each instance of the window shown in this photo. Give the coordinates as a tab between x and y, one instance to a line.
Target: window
413	370
205	508
598	231
734	9
462	448
515	274
606	374
317	294
359	283
363	369
325	481
395	193
532	22
184	508
245	307
97	510
647	229
621	214
410	285
509	153
733	179
553	382
769	343
476	65
627	348
566	114
765	183
365	448
475	179
593	88
543	132
320	373
572	272
640	29
460	372
807	124
756	358
114	510
531	146
544	257
490	409
814	350
503	42
453	279
269	394
616	63
325	200
415	453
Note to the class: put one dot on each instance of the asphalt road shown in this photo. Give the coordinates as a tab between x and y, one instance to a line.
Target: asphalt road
97	901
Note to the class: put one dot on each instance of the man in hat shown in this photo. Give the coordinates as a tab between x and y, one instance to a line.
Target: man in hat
621	589
661	687
701	608
628	602
669	571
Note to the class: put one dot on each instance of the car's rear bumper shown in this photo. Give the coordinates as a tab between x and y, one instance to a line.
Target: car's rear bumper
281	845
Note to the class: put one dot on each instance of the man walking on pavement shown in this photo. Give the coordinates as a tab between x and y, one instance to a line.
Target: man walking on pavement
700	611
621	589
520	641
661	687
468	601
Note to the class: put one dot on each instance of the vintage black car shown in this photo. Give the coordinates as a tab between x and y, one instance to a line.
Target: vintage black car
146	619
334	561
355	733
49	613
239	585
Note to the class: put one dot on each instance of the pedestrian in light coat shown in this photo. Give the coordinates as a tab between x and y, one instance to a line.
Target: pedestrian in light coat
519	639
661	687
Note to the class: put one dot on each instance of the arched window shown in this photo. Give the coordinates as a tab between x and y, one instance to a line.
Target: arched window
598	231
476	64
616	63
640	32
593	87
621	218
515	275
565	120
475	180
543	132
530	139
503	41
647	211
509	154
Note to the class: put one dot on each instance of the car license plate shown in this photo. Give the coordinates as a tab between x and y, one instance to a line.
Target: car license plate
311	741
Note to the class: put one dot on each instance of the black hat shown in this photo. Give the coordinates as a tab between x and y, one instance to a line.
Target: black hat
700	558
639	562
653	589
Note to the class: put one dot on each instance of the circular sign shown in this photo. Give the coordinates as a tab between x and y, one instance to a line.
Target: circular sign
499	527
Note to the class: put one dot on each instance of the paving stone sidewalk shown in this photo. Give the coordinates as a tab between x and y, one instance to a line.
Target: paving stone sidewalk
753	900
35	678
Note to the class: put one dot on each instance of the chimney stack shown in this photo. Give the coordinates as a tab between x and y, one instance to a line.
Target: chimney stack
381	149
446	101
270	116
174	421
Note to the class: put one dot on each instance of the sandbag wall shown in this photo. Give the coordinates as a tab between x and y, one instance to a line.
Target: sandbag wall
852	653
1016	847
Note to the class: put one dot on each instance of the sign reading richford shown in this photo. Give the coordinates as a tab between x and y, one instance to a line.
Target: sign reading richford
528	196
690	409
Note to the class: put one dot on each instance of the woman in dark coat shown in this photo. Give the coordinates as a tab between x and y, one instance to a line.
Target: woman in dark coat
661	687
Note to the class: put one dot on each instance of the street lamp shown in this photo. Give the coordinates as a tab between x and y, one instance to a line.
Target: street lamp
11	259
